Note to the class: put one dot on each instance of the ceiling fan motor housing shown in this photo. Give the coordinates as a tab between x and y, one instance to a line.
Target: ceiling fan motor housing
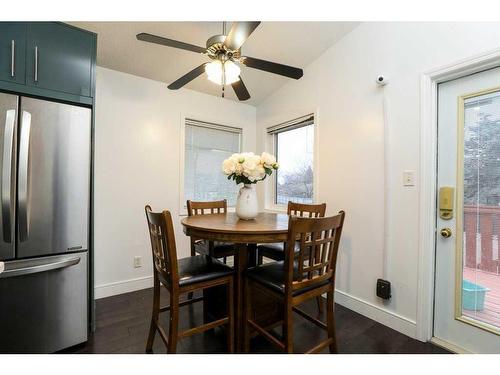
217	50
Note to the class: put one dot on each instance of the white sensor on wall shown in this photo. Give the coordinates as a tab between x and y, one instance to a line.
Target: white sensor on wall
382	80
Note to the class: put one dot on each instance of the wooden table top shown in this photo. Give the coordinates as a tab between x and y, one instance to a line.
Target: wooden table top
264	224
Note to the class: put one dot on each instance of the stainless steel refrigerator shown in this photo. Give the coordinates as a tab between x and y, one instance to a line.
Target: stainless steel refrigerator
45	150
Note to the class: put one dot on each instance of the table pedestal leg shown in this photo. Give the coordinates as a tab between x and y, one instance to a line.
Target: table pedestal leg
240	265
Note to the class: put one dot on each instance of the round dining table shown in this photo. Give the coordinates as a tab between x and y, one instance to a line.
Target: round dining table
245	234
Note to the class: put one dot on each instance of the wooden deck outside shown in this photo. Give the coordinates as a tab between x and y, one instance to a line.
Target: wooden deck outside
491	312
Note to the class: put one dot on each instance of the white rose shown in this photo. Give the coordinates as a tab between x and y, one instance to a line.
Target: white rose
268	160
250	164
258	173
239	169
236	157
229	166
246	155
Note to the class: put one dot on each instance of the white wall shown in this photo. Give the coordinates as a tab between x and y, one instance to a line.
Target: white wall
340	85
137	152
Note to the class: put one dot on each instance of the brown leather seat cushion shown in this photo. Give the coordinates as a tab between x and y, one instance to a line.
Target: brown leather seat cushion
201	268
221	249
272	276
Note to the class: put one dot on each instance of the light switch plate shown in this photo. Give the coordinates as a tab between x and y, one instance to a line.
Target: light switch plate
137	261
408	178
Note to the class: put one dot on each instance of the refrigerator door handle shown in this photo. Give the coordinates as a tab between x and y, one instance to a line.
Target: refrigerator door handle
23	179
37	268
6	192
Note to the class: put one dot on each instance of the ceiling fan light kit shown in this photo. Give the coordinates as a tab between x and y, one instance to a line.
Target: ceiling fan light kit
223	73
225	53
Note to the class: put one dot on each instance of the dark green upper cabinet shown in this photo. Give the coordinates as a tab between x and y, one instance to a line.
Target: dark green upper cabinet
60	58
12	52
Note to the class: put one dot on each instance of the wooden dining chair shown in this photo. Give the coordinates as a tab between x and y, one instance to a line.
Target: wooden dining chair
276	251
215	249
298	278
179	277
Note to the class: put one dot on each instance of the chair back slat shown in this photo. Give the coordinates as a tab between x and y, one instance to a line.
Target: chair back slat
306	210
318	249
161	233
202	208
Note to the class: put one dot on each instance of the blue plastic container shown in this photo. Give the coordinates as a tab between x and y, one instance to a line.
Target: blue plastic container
473	296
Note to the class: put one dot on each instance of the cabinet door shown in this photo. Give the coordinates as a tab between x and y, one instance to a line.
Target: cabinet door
59	57
12	52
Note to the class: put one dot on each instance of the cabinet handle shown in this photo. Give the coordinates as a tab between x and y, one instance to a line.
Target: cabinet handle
36	63
12	58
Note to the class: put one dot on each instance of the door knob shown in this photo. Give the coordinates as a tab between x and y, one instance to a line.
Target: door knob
446	232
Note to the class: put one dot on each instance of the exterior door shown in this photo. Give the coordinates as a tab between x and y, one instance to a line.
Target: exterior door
53	178
8	127
467	280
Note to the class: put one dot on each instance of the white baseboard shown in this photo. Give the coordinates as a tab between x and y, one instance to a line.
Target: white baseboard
392	320
120	287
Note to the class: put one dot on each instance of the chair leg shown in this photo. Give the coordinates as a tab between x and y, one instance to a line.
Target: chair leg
247	303
260	259
288	328
174	323
193	253
230	314
154	316
330	313
319	302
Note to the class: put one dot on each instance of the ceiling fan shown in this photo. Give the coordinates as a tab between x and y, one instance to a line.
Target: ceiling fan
225	53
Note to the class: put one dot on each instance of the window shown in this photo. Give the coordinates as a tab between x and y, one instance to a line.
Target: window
206	147
294	149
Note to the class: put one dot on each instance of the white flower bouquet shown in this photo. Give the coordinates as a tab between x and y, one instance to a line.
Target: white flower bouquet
248	168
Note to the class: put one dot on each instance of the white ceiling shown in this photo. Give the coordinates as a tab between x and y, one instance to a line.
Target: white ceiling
290	43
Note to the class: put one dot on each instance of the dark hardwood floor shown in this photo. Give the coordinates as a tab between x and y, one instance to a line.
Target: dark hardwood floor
123	322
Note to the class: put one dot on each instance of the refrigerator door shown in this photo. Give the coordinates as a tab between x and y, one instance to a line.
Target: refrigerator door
8	129
43	305
53	178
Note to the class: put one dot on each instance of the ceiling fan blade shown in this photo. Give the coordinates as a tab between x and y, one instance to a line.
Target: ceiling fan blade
240	90
239	33
272	67
186	78
145	37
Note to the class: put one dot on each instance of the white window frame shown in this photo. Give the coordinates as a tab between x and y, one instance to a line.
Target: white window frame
270	146
209	123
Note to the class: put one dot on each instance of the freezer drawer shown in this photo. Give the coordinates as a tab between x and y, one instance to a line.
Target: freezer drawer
43	304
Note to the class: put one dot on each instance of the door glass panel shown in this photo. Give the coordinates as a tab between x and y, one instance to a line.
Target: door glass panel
480	282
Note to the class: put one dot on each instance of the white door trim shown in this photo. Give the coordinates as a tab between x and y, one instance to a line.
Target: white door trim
428	159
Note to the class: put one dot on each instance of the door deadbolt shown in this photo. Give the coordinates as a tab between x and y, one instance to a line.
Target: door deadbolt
446	232
446	198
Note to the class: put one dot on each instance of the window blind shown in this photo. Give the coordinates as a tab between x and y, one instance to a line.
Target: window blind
206	147
292	124
210	125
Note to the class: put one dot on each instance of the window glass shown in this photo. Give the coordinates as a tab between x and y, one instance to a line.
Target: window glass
294	179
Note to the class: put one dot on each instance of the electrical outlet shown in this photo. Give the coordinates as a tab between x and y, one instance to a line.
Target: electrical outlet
137	261
409	178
